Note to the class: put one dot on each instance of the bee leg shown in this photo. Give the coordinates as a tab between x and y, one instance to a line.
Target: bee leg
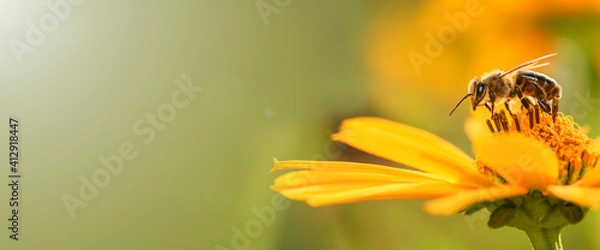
540	94
507	106
492	100
545	106
524	101
530	102
554	109
513	116
489	108
530	111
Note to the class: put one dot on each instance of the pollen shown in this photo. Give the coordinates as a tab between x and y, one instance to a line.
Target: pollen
573	148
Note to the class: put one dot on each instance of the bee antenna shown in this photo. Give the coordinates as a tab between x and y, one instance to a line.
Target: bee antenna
458	104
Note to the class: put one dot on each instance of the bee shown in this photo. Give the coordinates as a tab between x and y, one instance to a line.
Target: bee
522	82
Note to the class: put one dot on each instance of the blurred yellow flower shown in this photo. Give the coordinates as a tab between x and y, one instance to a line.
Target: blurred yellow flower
517	155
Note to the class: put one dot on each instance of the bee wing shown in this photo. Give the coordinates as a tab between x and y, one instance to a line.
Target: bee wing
529	64
535	66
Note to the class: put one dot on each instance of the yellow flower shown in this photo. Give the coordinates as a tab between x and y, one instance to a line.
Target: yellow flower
518	155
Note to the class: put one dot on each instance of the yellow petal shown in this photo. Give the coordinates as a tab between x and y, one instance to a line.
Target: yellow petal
583	196
476	128
412	147
597	144
330	194
455	203
592	176
308	178
343	166
520	160
306	192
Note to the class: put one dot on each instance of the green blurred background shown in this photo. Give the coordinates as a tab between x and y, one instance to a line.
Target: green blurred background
276	78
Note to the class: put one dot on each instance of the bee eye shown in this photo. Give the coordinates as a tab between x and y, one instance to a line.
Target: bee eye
480	89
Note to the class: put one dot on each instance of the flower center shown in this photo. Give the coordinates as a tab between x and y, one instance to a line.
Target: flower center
573	148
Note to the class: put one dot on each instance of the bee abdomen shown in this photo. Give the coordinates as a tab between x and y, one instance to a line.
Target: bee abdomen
527	78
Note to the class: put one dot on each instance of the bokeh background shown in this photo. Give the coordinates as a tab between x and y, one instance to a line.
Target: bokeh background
276	78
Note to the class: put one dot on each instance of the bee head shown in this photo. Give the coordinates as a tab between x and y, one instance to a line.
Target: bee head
478	89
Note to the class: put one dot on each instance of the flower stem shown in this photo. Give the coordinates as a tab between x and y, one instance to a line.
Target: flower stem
545	238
